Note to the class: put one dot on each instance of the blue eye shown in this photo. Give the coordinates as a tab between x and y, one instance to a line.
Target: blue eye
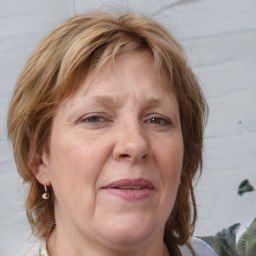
93	119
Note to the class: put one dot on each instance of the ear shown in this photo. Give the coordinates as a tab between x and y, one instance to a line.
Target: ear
41	169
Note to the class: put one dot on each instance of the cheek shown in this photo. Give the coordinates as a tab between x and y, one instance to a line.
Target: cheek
73	177
170	156
171	161
65	164
77	159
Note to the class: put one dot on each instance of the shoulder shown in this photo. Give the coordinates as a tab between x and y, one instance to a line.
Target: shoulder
200	248
34	251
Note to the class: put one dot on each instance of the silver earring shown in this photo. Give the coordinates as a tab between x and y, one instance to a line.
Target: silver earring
45	195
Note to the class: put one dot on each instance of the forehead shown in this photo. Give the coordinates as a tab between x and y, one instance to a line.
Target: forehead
136	67
126	73
129	81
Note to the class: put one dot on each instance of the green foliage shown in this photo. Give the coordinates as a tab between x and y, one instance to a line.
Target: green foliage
245	187
226	243
247	243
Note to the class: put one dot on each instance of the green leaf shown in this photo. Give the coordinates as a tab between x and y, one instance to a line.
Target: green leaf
245	187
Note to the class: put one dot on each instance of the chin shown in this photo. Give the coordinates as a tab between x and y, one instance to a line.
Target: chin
130	231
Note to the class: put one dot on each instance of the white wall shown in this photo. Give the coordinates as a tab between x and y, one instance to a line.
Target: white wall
220	40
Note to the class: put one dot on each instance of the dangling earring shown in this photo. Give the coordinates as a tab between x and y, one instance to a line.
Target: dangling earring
45	195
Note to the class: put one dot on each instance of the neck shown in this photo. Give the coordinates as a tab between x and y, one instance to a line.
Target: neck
65	245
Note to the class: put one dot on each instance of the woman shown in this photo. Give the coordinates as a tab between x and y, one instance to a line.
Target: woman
106	122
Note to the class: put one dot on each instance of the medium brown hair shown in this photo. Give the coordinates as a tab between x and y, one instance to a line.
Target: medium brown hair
52	74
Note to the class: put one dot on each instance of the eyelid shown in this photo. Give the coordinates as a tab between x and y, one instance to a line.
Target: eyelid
86	116
160	116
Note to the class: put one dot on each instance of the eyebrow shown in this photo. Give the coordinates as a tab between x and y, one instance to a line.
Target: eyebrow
152	102
117	102
107	100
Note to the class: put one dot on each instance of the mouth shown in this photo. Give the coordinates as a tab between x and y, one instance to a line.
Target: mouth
130	189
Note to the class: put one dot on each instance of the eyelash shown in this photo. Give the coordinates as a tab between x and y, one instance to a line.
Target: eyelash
86	118
162	121
90	118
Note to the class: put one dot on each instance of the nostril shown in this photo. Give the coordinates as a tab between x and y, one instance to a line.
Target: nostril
124	155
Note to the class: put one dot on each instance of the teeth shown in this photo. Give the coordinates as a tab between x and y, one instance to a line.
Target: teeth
130	187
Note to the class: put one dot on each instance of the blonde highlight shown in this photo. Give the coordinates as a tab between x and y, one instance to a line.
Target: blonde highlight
52	74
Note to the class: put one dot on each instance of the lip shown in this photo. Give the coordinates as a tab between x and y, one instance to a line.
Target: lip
145	191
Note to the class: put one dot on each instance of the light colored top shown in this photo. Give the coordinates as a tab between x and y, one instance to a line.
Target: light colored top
199	246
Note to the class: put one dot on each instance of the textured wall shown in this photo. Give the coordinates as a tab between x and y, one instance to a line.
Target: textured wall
219	38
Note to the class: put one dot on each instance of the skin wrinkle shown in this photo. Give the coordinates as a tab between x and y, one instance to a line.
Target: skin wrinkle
113	103
126	134
51	78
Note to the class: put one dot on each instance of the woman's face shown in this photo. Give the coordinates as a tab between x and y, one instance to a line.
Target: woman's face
115	157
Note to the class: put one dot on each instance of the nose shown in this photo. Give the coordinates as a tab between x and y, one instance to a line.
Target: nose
132	144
